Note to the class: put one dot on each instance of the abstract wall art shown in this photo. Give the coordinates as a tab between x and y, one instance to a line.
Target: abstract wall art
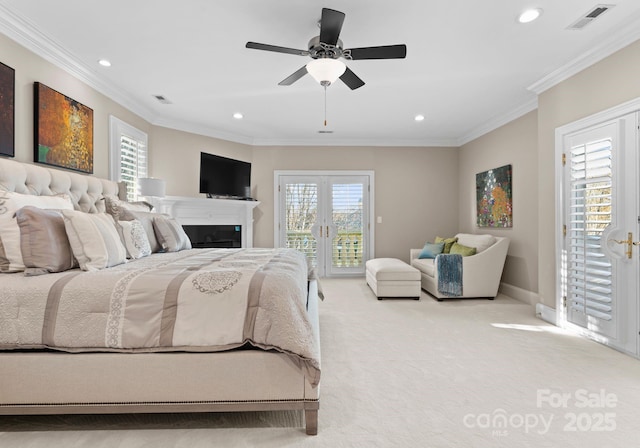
494	197
7	110
63	130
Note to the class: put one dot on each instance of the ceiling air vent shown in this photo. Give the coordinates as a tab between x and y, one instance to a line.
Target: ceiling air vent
163	99
589	17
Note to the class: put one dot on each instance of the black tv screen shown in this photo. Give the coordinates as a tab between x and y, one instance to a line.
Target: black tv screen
224	177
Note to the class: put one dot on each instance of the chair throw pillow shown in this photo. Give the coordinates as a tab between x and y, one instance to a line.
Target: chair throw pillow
430	250
448	242
460	249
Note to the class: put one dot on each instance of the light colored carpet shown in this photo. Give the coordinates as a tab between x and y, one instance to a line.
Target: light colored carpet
406	373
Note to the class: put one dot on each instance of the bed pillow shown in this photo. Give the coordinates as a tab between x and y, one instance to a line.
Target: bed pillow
463	250
114	206
135	239
10	202
146	218
94	240
170	234
44	243
448	242
430	250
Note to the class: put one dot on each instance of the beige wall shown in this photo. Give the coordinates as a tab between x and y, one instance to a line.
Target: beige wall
612	81
515	143
30	68
414	189
175	156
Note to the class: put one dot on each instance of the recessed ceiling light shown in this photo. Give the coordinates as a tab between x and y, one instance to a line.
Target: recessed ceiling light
104	63
529	15
419	117
238	116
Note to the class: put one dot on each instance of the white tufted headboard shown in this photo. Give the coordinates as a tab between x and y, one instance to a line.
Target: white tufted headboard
86	192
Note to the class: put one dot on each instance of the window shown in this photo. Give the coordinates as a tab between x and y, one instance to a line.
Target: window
128	161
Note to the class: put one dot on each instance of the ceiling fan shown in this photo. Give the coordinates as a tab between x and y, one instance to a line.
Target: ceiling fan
325	51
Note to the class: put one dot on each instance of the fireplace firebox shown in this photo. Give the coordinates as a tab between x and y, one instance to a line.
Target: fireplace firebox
211	236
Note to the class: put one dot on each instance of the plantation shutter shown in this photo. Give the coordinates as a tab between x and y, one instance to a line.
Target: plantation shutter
589	272
133	164
128	155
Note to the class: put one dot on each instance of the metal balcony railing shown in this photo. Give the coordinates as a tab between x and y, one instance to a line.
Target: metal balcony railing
346	250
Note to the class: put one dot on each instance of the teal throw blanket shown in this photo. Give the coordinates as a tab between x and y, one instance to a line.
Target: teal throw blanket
449	274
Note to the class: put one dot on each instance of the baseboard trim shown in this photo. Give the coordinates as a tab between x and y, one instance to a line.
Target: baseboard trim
528	297
546	313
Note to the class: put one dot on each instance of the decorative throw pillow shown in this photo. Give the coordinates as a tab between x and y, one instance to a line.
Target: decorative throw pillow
10	203
43	241
465	251
135	239
430	250
170	234
94	240
146	218
448	242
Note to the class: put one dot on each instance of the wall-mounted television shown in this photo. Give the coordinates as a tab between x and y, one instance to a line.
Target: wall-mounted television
225	178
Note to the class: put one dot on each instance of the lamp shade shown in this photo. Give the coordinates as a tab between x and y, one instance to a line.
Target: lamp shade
149	186
326	70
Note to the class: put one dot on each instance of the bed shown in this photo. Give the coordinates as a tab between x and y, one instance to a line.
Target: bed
191	330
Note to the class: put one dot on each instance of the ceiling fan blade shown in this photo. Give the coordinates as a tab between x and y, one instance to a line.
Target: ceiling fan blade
294	77
383	52
330	26
351	79
266	47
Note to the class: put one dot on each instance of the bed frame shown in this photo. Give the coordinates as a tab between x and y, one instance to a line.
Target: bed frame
45	382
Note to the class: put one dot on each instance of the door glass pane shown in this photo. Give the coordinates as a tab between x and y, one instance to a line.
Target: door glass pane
301	213
589	271
347	217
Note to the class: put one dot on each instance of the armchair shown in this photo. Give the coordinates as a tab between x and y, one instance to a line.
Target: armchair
481	272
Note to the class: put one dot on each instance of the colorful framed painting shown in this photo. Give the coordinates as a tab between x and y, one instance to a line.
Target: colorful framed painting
494	197
63	130
7	110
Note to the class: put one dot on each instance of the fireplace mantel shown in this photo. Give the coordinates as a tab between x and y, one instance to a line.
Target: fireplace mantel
204	211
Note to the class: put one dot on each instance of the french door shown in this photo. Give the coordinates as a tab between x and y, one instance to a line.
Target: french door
601	231
327	217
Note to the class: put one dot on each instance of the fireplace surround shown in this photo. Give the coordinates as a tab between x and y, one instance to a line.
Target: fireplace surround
219	219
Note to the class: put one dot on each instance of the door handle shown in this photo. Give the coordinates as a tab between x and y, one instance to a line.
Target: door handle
629	242
320	231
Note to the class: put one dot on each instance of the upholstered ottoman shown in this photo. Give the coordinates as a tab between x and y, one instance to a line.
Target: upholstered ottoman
390	277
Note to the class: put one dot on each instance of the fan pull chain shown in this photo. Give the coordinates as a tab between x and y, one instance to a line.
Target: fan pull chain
325	106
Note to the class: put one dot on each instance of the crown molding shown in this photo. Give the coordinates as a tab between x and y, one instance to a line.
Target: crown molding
499	121
625	36
201	130
26	34
331	141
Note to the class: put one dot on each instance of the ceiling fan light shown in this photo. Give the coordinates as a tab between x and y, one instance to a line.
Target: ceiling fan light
326	70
